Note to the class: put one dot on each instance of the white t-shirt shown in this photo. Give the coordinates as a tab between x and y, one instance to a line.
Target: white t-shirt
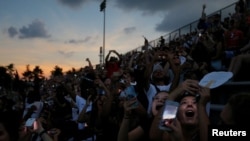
80	102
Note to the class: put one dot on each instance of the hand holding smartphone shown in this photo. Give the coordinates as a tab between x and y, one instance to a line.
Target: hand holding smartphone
130	94
168	114
29	123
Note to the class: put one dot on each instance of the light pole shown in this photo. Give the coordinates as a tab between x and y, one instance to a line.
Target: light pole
102	9
100	55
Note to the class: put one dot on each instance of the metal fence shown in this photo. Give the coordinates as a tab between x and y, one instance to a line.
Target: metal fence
191	27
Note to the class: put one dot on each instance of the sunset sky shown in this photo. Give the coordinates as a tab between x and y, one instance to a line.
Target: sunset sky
47	33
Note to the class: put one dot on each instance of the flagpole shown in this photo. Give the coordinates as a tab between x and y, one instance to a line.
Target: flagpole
104	35
103	9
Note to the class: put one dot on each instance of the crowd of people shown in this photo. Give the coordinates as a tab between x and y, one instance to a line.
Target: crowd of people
125	99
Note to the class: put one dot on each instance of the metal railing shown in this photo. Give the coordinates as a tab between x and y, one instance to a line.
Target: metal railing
189	28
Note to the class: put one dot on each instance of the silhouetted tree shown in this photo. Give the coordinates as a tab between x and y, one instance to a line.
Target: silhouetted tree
5	78
38	72
57	71
28	75
38	77
17	83
11	70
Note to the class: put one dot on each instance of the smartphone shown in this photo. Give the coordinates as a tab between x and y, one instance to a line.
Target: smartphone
168	114
29	122
130	94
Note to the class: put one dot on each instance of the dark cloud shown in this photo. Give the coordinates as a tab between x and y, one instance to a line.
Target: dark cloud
166	6
175	13
85	40
12	31
129	30
66	54
73	3
35	30
73	41
146	6
178	17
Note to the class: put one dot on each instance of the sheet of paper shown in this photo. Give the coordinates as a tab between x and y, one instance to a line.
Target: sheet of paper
215	79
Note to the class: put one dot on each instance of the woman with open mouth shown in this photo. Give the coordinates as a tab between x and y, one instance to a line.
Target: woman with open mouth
186	124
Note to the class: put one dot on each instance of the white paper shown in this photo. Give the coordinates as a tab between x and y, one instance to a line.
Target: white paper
215	79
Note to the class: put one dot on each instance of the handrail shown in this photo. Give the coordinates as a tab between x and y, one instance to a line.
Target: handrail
223	12
241	83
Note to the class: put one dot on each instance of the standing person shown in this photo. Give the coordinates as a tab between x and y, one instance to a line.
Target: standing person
162	42
157	75
233	40
79	105
112	64
233	36
202	25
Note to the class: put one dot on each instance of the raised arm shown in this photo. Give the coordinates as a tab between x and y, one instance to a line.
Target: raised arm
203	13
202	113
117	54
107	57
149	69
89	63
124	133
